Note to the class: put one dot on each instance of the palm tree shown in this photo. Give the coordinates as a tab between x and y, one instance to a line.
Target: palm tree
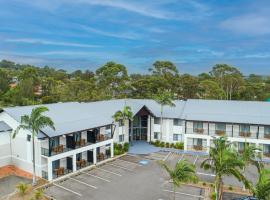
262	188
34	123
224	162
123	115
163	98
183	172
250	156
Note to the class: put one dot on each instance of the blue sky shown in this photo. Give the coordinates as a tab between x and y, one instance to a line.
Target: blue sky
84	34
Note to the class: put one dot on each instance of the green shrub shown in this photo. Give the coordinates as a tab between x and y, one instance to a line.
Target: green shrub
213	196
162	144
172	145
167	144
157	143
22	187
230	187
179	145
204	183
126	147
38	194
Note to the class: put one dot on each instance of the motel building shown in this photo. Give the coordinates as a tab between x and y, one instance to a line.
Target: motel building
85	132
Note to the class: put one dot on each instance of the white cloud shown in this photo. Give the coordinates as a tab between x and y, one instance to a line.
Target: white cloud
48	42
258	55
252	24
125	35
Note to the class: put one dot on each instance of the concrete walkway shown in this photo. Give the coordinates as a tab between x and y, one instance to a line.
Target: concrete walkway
142	147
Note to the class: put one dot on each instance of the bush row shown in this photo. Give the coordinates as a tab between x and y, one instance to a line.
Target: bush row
120	149
177	145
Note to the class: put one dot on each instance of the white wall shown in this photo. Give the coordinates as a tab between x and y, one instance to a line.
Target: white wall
21	149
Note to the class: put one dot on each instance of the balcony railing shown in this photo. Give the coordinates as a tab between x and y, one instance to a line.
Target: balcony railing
61	171
82	163
78	144
244	134
55	150
267	136
220	132
266	154
198	130
196	148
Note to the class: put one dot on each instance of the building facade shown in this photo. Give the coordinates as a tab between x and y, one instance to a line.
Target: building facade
85	132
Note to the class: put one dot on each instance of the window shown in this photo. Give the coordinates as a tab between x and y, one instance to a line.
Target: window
245	128
156	135
177	137
156	120
177	122
121	122
121	138
221	126
198	127
28	138
267	130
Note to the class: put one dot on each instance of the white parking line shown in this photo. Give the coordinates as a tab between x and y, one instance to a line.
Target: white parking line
205	174
167	156
109	172
181	158
120	167
130	162
83	183
186	194
69	190
195	160
98	177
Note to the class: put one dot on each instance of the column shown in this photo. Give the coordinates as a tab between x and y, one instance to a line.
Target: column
50	175
74	164
112	153
185	142
95	155
208	144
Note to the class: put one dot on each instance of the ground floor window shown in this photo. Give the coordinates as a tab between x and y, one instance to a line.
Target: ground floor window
121	138
156	134
177	137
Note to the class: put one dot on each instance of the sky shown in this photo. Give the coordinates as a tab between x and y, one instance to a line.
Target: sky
85	34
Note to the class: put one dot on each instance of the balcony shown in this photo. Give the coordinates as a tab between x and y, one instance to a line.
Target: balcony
220	132
266	154
196	148
267	136
198	130
244	134
71	142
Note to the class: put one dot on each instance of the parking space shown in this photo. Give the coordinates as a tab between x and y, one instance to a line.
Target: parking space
89	183
185	192
157	155
136	178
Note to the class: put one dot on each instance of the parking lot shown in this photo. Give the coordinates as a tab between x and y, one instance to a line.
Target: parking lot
129	177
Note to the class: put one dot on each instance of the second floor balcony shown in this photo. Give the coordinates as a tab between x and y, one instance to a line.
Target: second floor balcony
69	142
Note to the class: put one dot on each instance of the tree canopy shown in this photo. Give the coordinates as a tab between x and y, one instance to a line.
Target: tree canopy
28	85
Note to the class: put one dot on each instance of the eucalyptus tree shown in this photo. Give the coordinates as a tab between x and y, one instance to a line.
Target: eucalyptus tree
163	98
183	172
223	161
123	115
34	123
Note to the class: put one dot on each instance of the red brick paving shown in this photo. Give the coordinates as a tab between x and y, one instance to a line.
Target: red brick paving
12	170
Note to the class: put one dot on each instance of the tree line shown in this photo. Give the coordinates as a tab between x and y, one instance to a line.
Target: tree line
27	84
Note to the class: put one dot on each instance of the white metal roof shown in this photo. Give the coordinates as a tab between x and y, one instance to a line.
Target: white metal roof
73	116
4	127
